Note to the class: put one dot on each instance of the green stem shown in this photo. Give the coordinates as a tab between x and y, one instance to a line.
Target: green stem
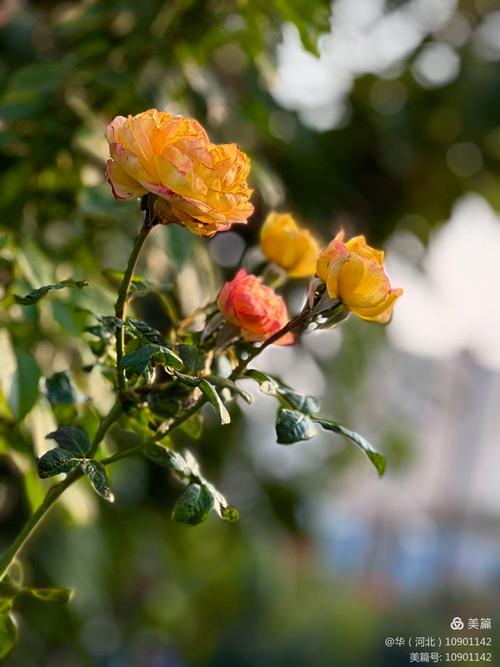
122	300
104	426
137	449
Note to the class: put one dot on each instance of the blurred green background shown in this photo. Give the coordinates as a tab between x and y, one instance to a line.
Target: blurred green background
381	117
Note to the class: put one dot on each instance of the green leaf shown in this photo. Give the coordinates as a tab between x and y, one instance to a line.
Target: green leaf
192	357
142	330
57	595
226	383
72	439
8	634
26	379
293	426
167	458
98	477
308	405
267	384
189	380
375	457
37	294
60	390
19	376
194	505
215	400
219	502
56	461
139	360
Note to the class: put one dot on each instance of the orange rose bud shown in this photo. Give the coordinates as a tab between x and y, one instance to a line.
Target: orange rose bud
254	307
354	273
201	185
294	249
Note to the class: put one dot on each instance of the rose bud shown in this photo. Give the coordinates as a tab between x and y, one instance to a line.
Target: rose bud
254	307
354	273
283	242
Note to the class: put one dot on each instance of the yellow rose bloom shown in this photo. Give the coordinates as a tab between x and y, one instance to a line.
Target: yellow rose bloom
294	249
199	184
354	273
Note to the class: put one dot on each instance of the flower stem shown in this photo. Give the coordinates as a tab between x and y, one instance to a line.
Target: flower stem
122	301
104	426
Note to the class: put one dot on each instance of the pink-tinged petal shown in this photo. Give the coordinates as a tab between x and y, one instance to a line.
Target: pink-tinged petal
254	307
114	127
130	163
204	184
122	185
330	263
